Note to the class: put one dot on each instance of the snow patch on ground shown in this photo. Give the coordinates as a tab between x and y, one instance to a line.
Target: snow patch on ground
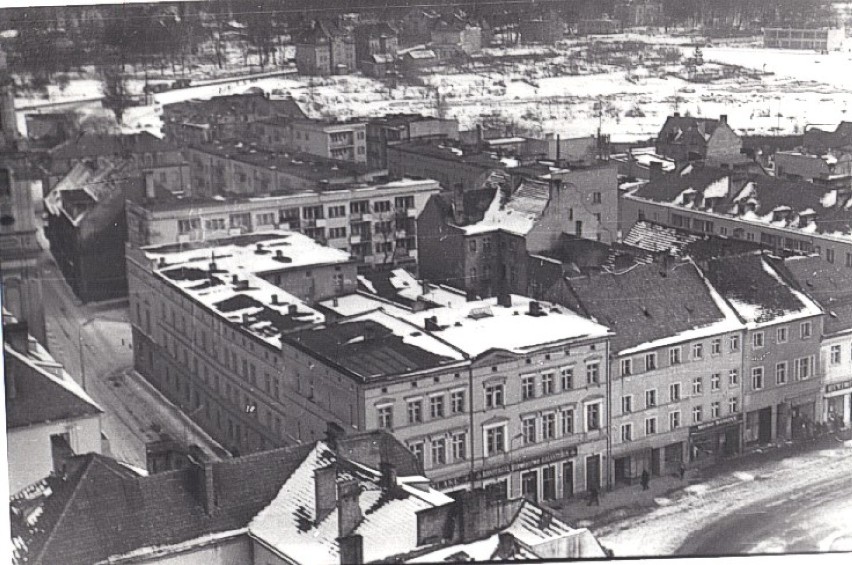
745	477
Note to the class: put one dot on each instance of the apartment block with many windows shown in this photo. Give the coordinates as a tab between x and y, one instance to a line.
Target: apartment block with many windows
207	323
340	141
375	222
781	372
676	357
520	410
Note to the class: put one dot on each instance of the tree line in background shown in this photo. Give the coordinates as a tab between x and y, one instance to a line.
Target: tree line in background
54	40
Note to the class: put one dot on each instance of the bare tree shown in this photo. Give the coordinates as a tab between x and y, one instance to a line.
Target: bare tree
116	93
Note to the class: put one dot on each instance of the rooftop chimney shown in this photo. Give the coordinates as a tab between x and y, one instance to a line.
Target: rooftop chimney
505	546
349	507
213	267
204	486
431	324
388	480
275	299
325	492
150	191
723	119
235	280
279	253
676	114
504	299
535	308
292	309
655	170
259	248
558	148
470	295
352	550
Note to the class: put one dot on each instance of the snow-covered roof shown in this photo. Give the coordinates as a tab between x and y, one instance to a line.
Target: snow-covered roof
86	184
519	214
225	278
474	327
388	524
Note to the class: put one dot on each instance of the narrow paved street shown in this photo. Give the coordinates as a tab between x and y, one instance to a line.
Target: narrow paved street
135	412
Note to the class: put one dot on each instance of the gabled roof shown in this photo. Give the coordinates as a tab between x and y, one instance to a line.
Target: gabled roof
100	509
88	183
756	291
388	513
649	305
687	130
829	284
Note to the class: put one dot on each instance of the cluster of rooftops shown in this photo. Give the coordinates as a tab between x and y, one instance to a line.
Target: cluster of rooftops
394	323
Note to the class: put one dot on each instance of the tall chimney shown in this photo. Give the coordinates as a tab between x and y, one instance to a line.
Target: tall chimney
558	148
655	170
723	119
325	492
349	507
388	470
351	550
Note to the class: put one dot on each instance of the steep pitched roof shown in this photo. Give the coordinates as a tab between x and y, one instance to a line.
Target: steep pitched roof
687	130
829	284
40	395
101	509
519	213
649	303
756	291
290	524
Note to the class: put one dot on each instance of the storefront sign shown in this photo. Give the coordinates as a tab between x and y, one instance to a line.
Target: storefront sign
834	387
733	419
519	465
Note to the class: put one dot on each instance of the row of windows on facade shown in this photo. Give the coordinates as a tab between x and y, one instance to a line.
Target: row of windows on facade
675	392
289	215
803	368
697	350
534	429
494	395
651	427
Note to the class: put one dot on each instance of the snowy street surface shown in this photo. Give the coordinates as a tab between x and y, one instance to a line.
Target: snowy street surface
800	503
135	412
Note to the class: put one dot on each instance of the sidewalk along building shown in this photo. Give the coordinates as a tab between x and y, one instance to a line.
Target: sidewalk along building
782	378
223	117
506	393
676	358
397	128
49	417
784	216
325	502
811	39
486	255
827	284
374	221
207	322
686	138
330	139
237	168
86	226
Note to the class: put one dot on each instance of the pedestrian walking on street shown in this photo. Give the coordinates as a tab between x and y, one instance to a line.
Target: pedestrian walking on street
682	471
646	479
594	497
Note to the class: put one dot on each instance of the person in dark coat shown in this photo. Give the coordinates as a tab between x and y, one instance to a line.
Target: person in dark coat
646	479
594	497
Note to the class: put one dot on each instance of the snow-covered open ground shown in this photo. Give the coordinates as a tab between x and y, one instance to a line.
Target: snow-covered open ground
807	88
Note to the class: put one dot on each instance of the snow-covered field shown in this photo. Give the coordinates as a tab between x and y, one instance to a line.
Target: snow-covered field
664	530
807	88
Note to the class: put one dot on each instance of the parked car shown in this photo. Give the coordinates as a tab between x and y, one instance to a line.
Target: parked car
182	83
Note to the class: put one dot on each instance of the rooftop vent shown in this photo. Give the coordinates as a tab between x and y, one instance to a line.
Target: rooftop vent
535	309
431	324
